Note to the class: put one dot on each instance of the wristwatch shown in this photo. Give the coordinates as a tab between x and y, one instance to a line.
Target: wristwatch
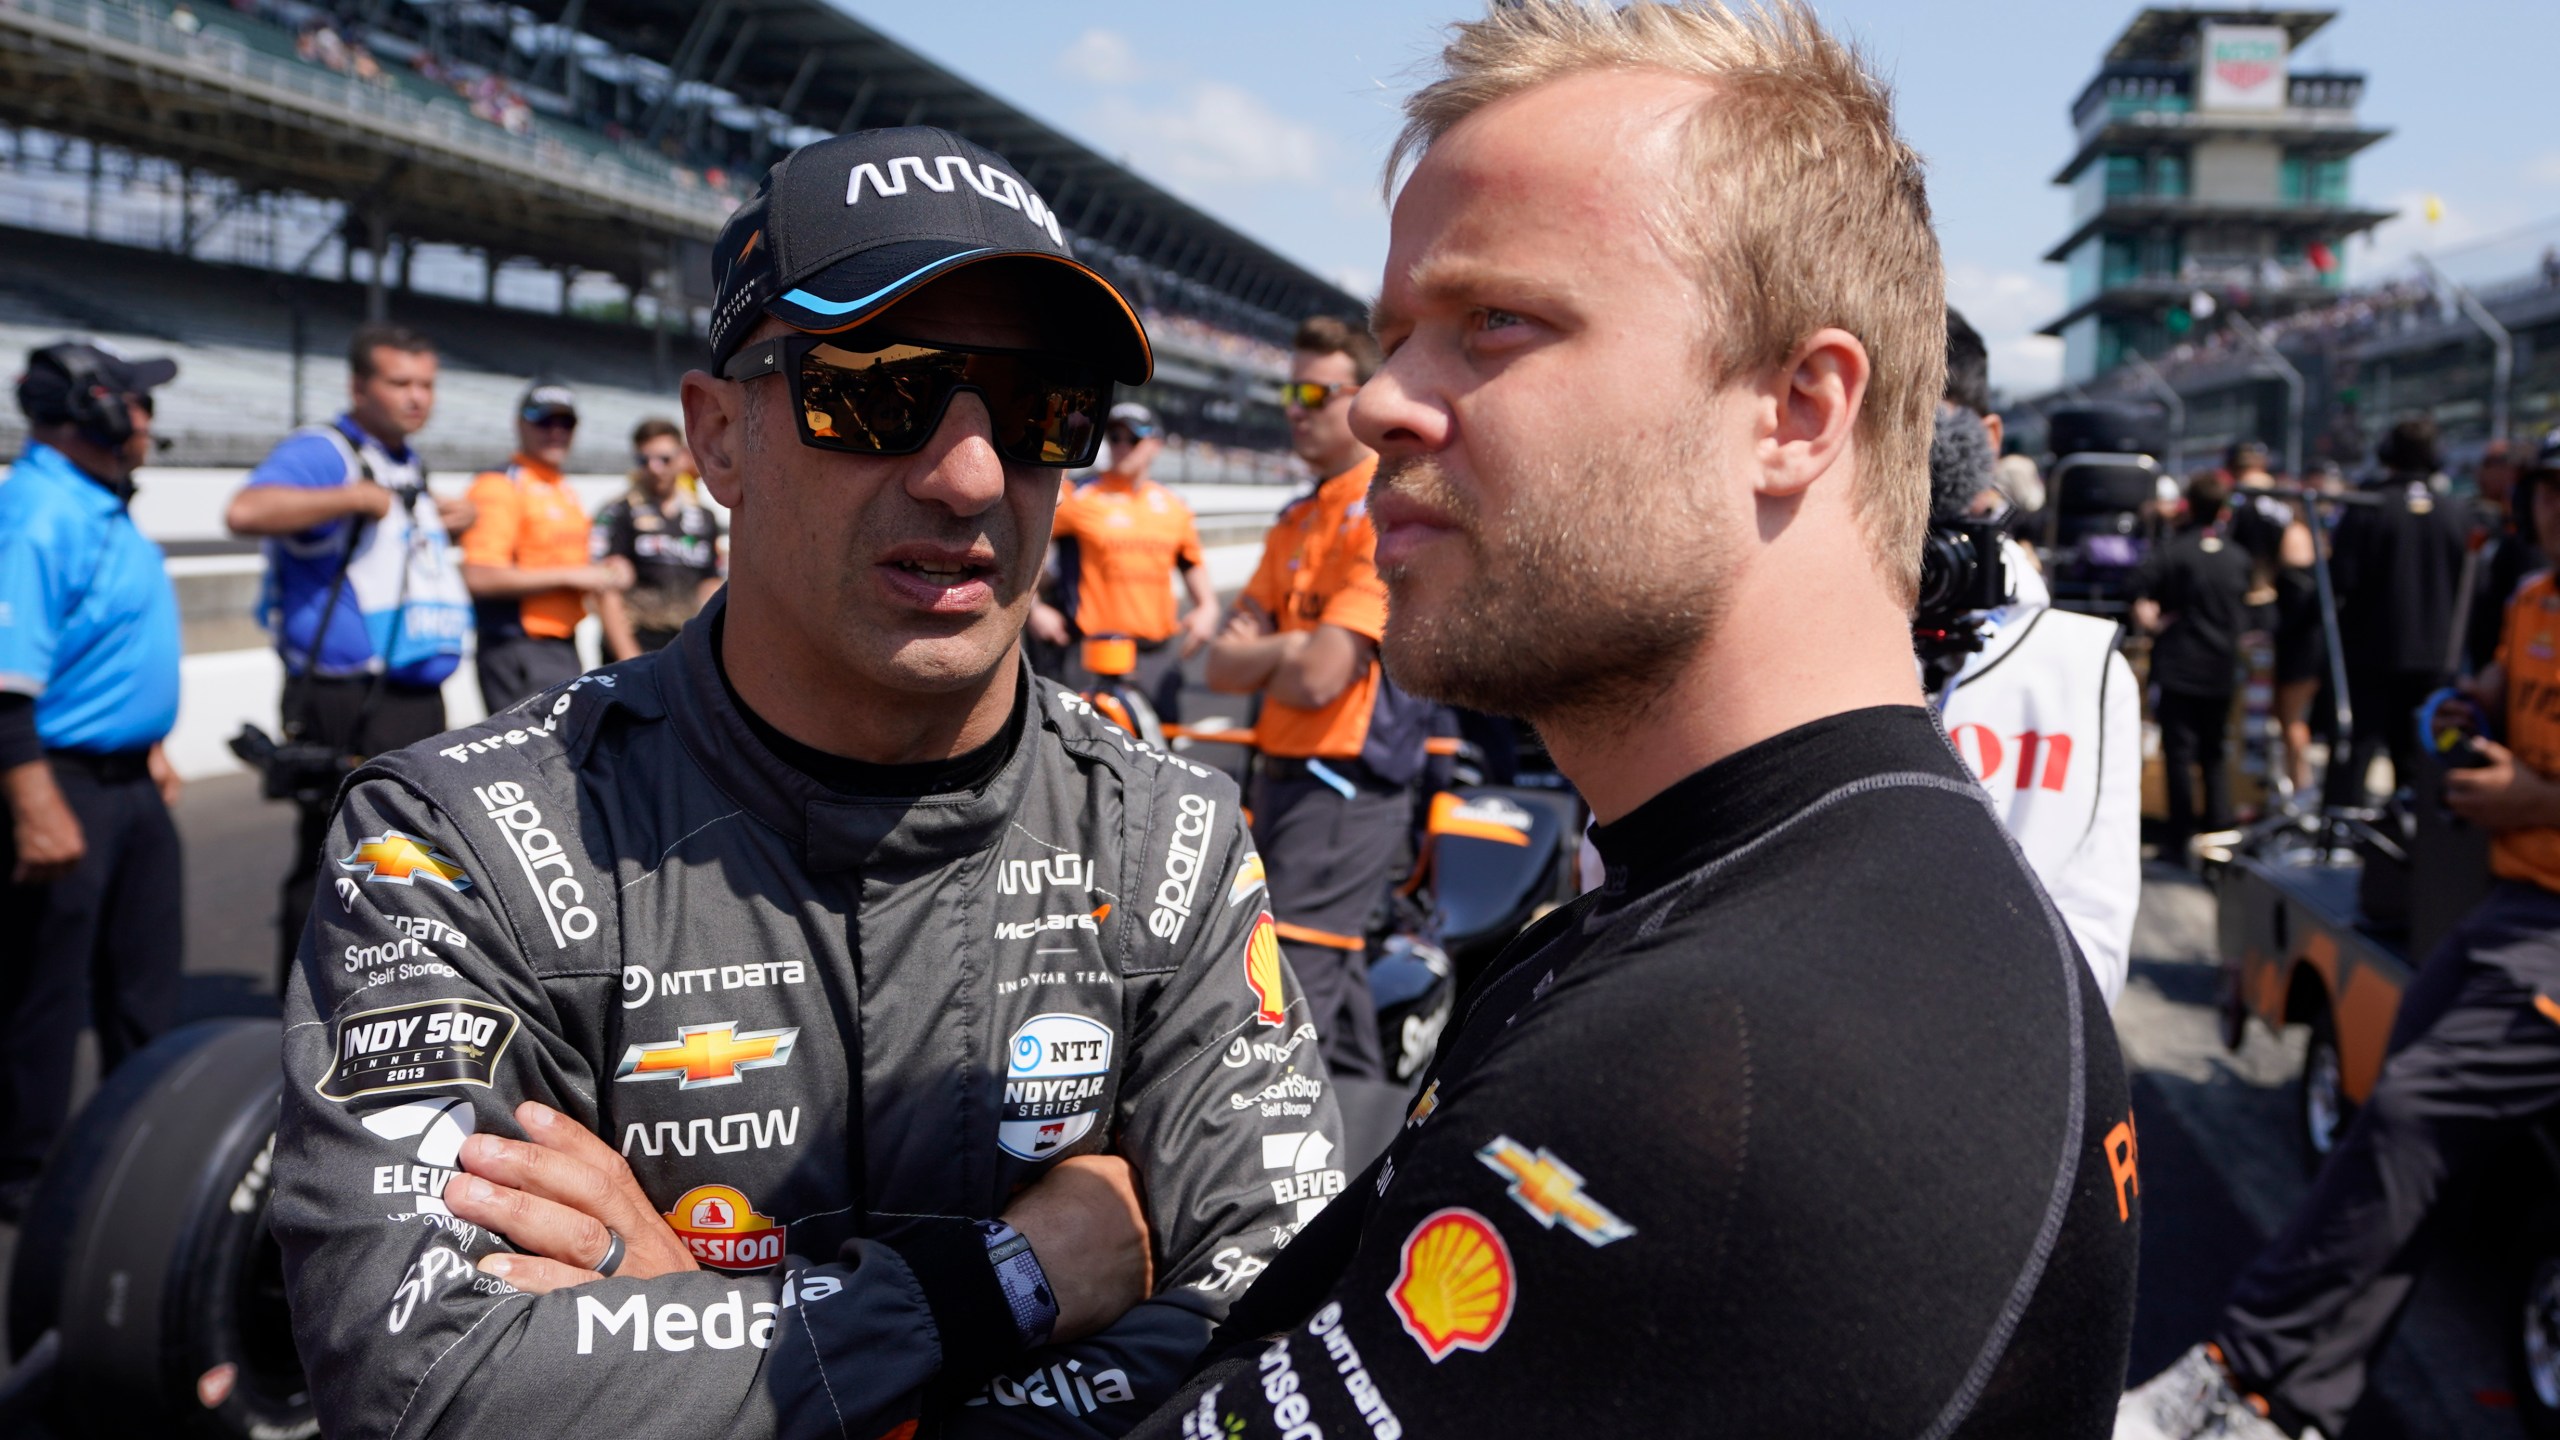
1025	1285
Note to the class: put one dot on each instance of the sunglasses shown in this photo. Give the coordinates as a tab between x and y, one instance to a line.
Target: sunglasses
1308	395
881	396
552	420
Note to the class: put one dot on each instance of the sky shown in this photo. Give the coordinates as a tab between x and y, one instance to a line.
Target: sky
1276	118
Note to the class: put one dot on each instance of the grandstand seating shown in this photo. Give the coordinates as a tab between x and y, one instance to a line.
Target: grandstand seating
231	330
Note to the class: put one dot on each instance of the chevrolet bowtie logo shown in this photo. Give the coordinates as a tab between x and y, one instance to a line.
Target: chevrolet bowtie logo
1551	1191
712	1054
397	859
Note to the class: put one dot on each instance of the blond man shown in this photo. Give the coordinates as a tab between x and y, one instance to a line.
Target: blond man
1809	1121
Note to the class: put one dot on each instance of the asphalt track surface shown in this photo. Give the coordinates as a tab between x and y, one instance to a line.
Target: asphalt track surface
2219	1167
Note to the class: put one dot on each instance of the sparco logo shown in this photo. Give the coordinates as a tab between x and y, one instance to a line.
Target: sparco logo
1181	882
942	173
562	898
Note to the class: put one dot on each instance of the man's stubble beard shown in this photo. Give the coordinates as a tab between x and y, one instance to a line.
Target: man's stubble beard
1605	578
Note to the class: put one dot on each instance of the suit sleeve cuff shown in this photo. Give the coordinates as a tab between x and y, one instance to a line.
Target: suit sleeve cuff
949	1261
19	744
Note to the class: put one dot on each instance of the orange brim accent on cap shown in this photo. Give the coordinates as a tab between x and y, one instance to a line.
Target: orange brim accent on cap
1146	347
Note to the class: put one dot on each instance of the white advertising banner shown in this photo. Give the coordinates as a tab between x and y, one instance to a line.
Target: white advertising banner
2242	68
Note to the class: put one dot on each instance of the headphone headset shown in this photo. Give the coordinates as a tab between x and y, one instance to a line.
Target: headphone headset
97	408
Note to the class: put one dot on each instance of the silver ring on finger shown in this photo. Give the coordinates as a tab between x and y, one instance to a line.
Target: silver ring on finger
612	1260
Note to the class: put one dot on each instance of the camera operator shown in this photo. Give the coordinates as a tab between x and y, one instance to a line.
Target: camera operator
89	645
2192	596
2394	566
2473	1058
2046	713
356	549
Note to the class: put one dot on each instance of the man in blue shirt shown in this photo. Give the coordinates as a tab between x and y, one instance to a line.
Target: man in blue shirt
88	689
353	536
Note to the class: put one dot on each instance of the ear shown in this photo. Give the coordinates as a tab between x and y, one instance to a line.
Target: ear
714	430
1809	410
1996	429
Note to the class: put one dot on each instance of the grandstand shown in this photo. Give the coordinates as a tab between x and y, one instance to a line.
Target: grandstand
2394	348
246	182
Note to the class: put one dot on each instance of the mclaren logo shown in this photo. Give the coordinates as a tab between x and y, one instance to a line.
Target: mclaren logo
393	858
703	1055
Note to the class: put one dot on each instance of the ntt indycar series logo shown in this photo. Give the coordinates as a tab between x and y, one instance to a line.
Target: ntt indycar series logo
1182	861
1056	1069
555	883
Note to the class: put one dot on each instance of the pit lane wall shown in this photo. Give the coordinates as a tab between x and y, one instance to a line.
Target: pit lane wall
231	675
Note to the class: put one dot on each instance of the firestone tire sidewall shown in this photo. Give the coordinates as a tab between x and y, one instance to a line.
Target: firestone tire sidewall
171	1240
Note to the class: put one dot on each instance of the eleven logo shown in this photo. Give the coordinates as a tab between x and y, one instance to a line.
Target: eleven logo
397	858
439	1127
703	1055
1454	1284
1262	973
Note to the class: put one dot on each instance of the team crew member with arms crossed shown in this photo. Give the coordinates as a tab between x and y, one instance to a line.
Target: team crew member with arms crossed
363	593
1811	1121
669	538
1121	538
2474	1057
1340	745
525	557
90	924
783	1027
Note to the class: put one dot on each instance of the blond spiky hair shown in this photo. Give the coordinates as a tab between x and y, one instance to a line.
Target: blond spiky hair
1801	206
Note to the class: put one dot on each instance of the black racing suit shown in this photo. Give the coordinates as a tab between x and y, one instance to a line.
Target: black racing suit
1810	1122
827	1033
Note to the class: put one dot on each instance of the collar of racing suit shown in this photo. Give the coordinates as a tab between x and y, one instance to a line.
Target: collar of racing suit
1720	810
835	832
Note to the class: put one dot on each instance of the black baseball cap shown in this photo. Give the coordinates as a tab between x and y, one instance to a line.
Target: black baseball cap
846	227
56	371
546	398
2546	456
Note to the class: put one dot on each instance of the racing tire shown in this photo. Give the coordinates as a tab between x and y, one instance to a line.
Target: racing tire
2322	1108
153	1260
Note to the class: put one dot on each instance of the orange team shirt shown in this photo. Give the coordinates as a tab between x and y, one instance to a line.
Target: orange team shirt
2526	652
529	518
1129	536
1320	567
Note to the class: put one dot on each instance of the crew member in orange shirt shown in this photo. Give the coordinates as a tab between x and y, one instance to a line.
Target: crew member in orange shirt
1119	539
2474	1059
1340	746
525	557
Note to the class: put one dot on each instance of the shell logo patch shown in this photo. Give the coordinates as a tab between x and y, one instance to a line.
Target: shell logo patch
1455	1284
1262	972
722	1229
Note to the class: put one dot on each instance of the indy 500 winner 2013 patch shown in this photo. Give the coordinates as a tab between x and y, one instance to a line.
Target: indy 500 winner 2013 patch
414	1047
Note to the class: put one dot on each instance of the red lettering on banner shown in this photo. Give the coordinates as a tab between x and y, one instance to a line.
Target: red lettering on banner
2043	760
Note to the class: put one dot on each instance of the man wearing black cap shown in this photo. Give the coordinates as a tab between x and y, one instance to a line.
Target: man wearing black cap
825	947
525	556
89	649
